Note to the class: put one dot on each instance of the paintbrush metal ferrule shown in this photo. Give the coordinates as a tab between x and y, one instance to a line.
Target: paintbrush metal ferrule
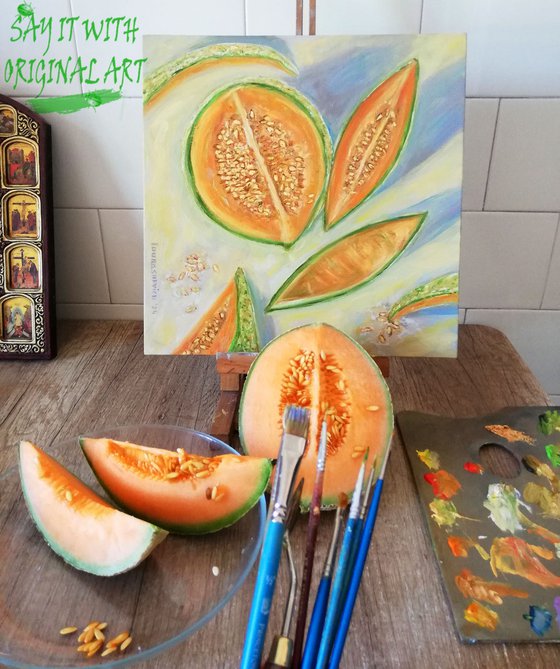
331	553
367	493
296	423
322	455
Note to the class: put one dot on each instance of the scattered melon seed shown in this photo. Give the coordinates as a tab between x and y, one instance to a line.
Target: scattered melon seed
102	626
108	651
215	268
99	634
90	634
126	643
68	630
172	475
373	407
68	495
91	625
118	639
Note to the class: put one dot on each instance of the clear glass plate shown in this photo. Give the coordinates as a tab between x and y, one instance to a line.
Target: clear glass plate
174	592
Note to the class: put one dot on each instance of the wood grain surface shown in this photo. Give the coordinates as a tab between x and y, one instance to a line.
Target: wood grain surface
402	619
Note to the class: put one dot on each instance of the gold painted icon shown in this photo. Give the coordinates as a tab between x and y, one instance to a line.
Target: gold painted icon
20	163
8	123
21	216
23	263
17	319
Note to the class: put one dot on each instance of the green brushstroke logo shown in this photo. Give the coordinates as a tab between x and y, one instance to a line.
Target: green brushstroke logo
46	31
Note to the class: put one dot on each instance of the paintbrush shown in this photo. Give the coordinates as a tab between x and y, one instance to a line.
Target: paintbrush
319	608
295	424
337	596
357	571
312	529
280	656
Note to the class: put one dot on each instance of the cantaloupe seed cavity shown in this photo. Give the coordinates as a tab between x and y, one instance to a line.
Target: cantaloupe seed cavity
172	467
211	329
307	372
259	164
370	148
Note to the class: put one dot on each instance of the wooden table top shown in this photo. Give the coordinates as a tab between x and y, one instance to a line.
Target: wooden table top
401	619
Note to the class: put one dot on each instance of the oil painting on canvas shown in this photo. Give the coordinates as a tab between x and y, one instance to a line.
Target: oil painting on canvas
298	180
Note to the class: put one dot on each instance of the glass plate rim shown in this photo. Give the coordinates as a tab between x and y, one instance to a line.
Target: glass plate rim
189	631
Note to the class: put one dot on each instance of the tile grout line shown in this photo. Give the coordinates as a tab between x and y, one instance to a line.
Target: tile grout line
104	256
422	18
555	241
245	17
491	154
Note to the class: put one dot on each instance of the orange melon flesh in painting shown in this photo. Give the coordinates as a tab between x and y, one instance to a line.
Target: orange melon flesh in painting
322	369
371	143
85	530
436	301
347	263
256	158
184	493
228	325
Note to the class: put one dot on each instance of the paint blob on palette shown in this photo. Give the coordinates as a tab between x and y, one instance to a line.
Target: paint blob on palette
495	527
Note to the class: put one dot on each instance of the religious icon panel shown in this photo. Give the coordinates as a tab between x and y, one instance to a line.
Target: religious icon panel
21	216
27	319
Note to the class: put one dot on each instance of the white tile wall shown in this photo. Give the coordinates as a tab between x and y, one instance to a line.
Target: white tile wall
512	131
505	258
121	230
551	298
81	276
512	45
480	124
97	155
535	336
525	168
554	399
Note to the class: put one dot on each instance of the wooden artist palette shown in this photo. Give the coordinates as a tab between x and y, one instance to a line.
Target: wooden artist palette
498	550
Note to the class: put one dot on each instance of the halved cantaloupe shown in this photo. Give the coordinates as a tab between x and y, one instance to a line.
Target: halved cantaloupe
256	157
322	369
184	493
80	526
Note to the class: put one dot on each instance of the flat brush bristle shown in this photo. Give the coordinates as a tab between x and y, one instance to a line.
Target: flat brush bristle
342	500
296	421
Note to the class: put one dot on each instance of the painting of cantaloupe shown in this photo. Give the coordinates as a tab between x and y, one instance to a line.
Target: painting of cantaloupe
301	180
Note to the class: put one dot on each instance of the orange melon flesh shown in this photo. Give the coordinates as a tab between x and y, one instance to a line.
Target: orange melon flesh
322	369
371	143
208	494
347	263
257	162
80	526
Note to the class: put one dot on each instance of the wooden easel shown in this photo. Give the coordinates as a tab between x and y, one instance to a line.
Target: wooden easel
232	369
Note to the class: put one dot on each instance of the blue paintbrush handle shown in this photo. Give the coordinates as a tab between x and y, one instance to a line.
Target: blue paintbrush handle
262	596
336	599
356	577
316	624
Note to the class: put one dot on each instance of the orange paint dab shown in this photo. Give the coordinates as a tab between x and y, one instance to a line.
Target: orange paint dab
458	546
481	616
473	468
444	484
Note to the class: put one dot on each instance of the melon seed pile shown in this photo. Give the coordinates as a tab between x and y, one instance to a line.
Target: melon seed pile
92	638
335	406
250	151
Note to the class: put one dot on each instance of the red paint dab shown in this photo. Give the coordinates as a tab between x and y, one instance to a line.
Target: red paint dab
444	484
473	468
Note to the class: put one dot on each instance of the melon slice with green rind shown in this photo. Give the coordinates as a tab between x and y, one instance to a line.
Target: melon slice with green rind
228	325
442	290
184	493
215	55
348	263
80	526
371	143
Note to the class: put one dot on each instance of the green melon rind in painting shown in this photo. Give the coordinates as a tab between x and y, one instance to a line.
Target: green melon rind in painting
406	131
447	284
154	536
159	78
246	338
275	305
219	523
314	116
